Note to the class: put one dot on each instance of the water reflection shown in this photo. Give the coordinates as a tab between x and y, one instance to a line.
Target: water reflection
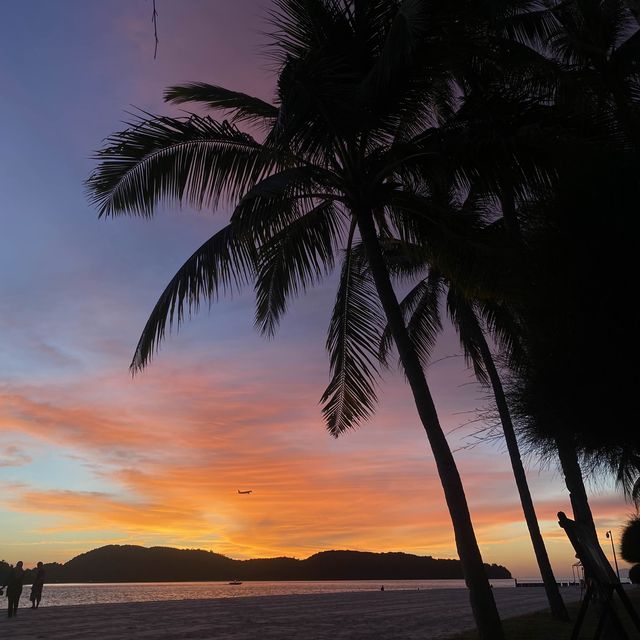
76	594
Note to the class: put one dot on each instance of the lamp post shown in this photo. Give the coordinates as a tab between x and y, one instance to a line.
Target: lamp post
615	560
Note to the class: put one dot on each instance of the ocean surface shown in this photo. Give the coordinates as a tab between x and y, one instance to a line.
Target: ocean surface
75	594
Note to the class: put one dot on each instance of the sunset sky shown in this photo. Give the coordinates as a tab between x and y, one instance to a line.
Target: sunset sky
91	456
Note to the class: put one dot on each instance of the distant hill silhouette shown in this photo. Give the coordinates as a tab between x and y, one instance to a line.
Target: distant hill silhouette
128	563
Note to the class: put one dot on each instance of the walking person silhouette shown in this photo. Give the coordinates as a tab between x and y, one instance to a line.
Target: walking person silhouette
14	588
36	587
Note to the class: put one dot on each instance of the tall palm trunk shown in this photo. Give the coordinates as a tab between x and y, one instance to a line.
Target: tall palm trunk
575	483
556	603
481	596
582	514
558	609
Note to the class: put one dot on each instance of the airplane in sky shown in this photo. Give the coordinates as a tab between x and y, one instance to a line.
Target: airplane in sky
245	492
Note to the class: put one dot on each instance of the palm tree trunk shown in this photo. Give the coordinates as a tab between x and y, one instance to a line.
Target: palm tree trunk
582	514
575	483
482	601
558	609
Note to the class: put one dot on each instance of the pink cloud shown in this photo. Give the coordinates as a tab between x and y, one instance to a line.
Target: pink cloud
13	456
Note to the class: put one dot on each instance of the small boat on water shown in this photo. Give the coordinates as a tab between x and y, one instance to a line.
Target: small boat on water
234	582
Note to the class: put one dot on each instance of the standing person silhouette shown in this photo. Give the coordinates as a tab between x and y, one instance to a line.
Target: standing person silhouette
14	588
36	587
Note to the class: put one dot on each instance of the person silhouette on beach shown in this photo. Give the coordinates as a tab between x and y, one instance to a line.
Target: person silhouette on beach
36	588
14	588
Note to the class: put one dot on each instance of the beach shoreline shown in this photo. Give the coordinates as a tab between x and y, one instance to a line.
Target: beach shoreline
394	615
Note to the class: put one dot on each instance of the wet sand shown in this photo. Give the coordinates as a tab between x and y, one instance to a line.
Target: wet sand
392	615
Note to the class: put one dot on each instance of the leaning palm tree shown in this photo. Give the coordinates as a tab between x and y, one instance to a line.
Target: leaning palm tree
422	309
340	158
466	317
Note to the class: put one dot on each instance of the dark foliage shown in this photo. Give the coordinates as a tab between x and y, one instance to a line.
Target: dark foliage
630	541
573	380
578	317
53	569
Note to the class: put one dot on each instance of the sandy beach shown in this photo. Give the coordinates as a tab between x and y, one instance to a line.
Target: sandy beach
392	615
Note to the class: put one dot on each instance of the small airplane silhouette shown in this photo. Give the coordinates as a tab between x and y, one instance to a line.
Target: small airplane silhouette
244	491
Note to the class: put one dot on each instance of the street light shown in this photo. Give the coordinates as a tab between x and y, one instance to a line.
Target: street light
610	537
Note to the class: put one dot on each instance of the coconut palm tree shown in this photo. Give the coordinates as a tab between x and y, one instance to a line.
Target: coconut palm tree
465	316
571	78
338	159
422	311
579	71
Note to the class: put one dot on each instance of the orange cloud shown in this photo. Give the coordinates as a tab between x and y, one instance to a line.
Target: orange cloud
176	447
104	511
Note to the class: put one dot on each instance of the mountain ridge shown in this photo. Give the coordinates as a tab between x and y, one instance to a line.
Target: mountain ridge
134	563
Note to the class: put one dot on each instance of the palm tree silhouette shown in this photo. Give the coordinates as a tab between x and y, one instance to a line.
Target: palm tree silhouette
422	311
341	157
465	318
595	48
576	82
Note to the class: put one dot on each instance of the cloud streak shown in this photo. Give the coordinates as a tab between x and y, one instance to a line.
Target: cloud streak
13	456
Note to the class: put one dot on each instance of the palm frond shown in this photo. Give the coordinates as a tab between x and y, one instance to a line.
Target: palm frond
279	200
370	21
354	335
241	106
195	159
405	262
420	307
534	27
300	181
465	252
505	330
465	321
317	106
223	263
294	259
403	38
301	24
424	320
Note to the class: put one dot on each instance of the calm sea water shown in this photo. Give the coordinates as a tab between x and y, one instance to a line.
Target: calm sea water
74	594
